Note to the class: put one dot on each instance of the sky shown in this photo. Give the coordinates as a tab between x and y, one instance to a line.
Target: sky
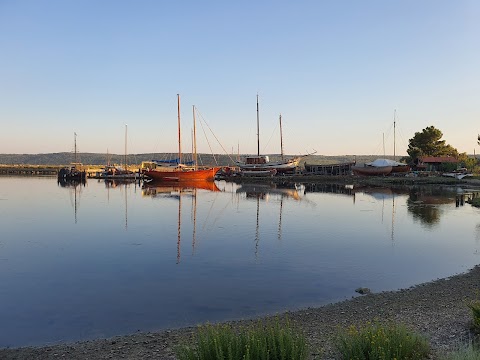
340	73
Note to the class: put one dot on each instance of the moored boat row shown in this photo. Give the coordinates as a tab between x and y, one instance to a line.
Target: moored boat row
251	166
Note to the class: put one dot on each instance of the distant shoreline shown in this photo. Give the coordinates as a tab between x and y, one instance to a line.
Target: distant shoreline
50	170
437	310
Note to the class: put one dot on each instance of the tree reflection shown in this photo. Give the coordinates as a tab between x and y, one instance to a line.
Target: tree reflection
423	204
427	214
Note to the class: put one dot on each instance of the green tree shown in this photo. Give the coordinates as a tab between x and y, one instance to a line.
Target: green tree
462	157
470	163
428	143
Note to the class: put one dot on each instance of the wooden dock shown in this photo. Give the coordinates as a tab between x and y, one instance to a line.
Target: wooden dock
329	169
29	170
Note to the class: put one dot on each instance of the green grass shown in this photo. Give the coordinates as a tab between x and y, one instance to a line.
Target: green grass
475	202
469	352
475	308
274	340
375	341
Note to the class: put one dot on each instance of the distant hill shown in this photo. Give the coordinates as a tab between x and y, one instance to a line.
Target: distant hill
66	158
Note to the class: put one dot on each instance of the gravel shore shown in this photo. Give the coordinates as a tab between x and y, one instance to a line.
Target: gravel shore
437	310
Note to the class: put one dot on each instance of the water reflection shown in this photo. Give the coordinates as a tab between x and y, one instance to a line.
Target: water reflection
340	189
171	188
178	190
122	185
264	191
75	187
114	183
211	251
424	203
267	192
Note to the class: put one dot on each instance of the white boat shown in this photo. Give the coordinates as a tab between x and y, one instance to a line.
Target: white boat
262	162
117	172
259	173
259	163
458	174
381	167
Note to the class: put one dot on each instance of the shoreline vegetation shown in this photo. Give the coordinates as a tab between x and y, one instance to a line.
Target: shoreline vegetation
437	310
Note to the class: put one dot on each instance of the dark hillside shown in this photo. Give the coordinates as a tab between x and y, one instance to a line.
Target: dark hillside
65	158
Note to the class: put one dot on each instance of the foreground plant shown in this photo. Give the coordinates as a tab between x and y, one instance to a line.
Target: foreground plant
475	308
469	352
375	341
273	340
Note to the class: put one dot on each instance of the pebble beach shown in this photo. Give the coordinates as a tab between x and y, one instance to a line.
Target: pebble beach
437	310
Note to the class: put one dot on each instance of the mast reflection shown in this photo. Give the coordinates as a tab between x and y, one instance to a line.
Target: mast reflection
265	192
76	186
178	190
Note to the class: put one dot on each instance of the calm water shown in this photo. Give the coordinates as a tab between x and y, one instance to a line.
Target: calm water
97	261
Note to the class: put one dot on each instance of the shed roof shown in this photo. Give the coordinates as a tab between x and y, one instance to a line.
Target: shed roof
438	159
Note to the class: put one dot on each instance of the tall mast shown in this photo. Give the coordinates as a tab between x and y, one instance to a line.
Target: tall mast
75	146
125	147
383	138
394	113
281	136
194	139
258	131
179	138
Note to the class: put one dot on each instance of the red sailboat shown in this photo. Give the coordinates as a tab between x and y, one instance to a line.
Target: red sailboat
175	170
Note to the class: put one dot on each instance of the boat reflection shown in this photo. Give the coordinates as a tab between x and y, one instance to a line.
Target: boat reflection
264	191
340	189
75	186
267	192
178	190
113	183
173	188
71	183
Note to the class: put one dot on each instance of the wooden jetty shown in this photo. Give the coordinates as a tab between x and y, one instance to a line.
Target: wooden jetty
37	170
329	169
466	197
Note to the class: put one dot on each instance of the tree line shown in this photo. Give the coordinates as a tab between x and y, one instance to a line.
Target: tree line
429	142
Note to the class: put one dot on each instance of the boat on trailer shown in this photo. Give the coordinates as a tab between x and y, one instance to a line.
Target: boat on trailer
371	170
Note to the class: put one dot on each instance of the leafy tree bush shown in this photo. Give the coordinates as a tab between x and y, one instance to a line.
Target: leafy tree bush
428	143
475	308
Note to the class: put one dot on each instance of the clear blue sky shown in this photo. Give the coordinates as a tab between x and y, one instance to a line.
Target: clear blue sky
335	70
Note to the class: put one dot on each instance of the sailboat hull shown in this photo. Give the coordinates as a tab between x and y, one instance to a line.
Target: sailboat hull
262	164
372	170
183	175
